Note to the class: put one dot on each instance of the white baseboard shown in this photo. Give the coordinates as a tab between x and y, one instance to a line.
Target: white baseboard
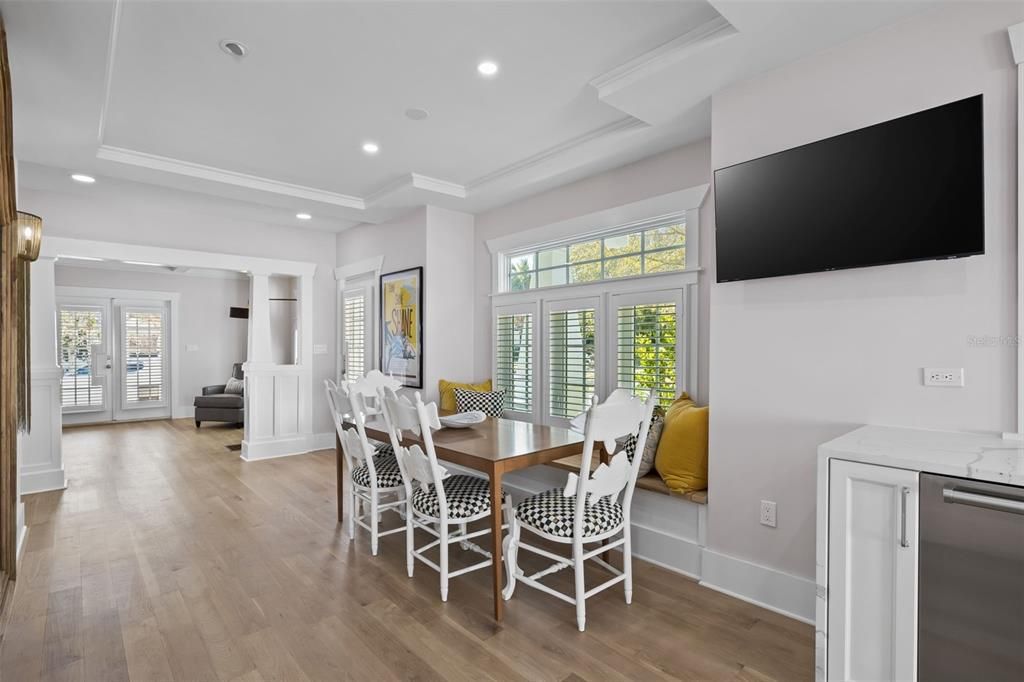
669	548
42	481
774	590
22	535
286	447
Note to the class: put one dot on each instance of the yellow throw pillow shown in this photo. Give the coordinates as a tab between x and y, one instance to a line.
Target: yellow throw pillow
447	391
682	459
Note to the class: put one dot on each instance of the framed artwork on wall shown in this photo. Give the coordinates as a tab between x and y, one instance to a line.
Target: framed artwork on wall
401	326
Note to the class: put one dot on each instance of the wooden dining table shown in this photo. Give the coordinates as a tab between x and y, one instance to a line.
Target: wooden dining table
494	447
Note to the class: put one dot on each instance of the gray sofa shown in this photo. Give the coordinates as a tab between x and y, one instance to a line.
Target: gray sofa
214	405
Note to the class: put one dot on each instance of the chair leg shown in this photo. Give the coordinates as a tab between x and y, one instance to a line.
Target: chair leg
374	522
410	560
581	601
444	562
627	563
353	510
510	549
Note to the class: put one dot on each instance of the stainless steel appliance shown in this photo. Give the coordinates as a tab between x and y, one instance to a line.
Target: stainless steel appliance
971	580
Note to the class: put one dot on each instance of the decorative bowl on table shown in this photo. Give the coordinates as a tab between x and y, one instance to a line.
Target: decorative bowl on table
463	420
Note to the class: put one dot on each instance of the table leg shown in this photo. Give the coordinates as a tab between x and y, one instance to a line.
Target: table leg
496	539
338	463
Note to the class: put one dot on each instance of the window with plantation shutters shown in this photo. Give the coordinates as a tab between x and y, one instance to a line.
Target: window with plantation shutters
355	330
80	328
143	356
513	366
572	360
648	352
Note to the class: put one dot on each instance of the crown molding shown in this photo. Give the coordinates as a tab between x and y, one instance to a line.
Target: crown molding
676	50
201	172
115	25
621	125
430	184
1017	42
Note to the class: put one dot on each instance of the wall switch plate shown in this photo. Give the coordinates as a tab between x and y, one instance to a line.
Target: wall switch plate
319	349
768	513
944	376
191	347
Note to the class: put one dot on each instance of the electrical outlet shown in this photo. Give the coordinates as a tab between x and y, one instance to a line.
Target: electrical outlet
191	347
319	349
768	513
944	376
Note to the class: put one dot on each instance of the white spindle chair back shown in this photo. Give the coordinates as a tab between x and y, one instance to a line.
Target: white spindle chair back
368	386
419	465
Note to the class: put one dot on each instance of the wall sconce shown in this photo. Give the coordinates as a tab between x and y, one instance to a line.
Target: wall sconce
30	235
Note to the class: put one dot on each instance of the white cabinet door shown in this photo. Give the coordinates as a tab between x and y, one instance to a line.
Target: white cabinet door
872	572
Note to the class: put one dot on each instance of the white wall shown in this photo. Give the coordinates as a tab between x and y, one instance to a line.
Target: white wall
669	171
401	241
204	322
441	241
168	218
798	360
449	298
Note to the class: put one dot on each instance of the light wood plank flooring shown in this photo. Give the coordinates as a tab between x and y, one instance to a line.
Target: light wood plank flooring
170	558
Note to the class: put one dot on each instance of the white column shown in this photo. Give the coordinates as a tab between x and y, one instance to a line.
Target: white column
259	319
42	463
278	397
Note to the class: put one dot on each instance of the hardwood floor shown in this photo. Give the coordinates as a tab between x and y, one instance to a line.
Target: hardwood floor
169	558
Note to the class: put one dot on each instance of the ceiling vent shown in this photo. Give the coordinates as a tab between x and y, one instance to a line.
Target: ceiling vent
234	48
416	114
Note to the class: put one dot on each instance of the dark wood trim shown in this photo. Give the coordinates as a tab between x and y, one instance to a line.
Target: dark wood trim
10	373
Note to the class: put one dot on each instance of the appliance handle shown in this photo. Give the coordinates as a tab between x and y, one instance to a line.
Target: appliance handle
904	492
1005	504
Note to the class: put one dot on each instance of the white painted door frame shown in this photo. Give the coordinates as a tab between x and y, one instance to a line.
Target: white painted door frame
93	295
268	440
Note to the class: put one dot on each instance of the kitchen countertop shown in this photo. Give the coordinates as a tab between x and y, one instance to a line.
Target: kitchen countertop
977	455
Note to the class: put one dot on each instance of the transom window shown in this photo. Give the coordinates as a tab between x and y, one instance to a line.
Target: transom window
652	247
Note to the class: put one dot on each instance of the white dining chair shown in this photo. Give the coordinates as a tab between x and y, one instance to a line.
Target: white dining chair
587	510
374	478
440	504
368	387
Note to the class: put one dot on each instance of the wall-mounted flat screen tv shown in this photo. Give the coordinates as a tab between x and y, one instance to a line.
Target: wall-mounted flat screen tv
905	190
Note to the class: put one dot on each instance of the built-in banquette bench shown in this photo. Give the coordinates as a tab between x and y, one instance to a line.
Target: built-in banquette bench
651	481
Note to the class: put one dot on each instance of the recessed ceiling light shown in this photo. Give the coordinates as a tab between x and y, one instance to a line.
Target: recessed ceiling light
370	147
487	68
234	48
142	262
416	114
303	216
87	179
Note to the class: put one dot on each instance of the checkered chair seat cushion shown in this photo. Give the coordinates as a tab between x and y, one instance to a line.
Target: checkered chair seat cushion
552	513
467	496
386	466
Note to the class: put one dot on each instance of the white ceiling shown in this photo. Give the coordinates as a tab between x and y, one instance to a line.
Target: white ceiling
140	91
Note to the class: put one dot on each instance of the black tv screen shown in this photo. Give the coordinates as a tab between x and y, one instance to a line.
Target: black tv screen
905	190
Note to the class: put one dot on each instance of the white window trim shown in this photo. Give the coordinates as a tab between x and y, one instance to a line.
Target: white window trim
682	285
347	275
686	201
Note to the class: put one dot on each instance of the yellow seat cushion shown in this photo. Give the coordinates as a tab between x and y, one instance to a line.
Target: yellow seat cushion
682	459
447	391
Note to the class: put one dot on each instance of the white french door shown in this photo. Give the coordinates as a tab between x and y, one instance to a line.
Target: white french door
116	359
